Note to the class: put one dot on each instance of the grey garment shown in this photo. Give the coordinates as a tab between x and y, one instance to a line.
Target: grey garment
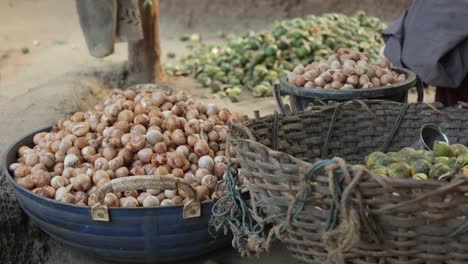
98	23
105	22
431	39
129	27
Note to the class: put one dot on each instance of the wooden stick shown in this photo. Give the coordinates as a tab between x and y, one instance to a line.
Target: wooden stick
141	54
159	74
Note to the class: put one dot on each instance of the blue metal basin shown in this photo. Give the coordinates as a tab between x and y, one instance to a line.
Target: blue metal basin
132	235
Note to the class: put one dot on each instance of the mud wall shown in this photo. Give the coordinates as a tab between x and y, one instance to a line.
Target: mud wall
235	15
20	241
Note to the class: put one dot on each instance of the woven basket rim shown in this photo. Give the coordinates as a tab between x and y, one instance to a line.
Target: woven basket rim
381	179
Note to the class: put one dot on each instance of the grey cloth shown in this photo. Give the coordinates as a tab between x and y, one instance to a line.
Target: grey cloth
98	23
105	22
431	39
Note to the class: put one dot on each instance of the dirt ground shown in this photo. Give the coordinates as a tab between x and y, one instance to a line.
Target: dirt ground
57	76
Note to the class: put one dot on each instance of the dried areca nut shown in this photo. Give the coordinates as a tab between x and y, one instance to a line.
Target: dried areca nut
59	181
177	172
77	117
65	144
138	129
142	197
161	171
126	115
137	171
80	142
376	82
133	193
128	202
41	178
71	160
26	182
82	182
153	136
202	193
200	173
111	200
150	201
137	142
109	153
80	129
219	169
177	199
175	159
31	158
59	167
99	174
45	191
122	172
126	154
92	199
81	196
201	147
145	154
101	164
47	159
189	178
167	202
206	162
37	137
116	163
13	166
209	181
101	182
149	168
160	148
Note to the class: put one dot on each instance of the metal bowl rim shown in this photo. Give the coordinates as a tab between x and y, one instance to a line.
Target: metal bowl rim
53	201
410	81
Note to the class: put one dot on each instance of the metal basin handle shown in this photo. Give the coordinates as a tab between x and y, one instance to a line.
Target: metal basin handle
100	212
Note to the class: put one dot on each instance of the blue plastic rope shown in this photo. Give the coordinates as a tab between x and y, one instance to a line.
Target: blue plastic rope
232	211
302	195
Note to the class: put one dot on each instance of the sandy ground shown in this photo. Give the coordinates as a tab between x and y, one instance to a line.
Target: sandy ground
58	76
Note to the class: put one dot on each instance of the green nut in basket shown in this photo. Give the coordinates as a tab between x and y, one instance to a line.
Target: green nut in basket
407	151
445	160
420	166
399	170
464	171
380	170
428	155
410	159
442	149
459	149
373	157
386	161
441	171
420	176
462	160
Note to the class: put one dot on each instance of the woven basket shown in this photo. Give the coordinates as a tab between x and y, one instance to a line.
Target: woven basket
372	219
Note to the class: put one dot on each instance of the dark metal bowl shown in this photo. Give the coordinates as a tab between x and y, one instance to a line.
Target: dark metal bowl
300	97
133	234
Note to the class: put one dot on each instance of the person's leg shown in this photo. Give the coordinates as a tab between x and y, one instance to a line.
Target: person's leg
451	96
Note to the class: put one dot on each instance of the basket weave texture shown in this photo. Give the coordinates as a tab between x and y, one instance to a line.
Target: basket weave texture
343	213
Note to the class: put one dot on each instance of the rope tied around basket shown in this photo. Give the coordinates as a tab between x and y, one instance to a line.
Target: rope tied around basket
232	210
347	213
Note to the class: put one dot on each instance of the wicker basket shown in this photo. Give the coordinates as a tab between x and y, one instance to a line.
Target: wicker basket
344	214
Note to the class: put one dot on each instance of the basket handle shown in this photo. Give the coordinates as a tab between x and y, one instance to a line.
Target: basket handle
279	99
151	86
100	212
420	89
441	190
